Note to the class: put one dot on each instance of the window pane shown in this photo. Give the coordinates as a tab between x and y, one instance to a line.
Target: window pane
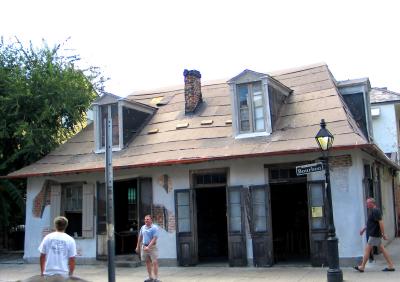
259	210
243	93
259	124
184	225
244	114
258	196
260	224
71	207
183	198
259	113
257	100
235	211
72	197
234	197
115	129
183	201
257	88
183	212
235	224
244	126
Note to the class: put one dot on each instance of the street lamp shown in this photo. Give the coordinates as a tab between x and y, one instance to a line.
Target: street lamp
325	140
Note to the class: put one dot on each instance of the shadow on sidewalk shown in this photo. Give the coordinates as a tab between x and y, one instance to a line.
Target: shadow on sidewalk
55	278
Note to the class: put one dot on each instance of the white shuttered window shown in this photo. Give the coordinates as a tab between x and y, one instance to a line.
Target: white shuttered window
75	201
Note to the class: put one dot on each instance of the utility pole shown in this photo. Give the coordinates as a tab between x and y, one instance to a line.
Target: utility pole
110	197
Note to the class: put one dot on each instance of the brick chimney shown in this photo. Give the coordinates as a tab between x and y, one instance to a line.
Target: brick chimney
192	90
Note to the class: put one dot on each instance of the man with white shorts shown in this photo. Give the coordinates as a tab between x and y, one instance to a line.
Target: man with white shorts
148	241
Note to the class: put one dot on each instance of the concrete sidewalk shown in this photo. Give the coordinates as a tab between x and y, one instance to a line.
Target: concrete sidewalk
12	271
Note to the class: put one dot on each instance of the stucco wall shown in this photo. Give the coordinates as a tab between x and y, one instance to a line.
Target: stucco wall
38	226
348	206
347	194
388	203
385	128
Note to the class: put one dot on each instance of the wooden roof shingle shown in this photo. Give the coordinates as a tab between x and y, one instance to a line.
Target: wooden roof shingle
314	97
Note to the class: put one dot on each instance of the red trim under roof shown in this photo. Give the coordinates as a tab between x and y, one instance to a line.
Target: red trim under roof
372	147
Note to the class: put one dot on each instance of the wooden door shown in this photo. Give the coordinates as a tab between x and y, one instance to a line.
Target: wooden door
318	222
186	236
260	225
236	226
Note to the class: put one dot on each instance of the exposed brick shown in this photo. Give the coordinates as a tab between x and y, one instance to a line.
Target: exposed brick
164	218
193	96
41	200
340	161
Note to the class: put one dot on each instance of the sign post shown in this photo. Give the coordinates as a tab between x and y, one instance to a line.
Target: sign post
110	198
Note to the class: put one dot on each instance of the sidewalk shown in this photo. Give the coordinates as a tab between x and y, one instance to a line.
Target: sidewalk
15	270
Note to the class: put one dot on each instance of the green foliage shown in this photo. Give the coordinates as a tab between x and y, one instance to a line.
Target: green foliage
11	199
44	98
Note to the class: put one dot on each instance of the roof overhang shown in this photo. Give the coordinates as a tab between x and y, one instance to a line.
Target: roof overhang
371	149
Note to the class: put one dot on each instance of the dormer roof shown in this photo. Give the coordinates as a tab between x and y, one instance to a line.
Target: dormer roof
108	98
246	76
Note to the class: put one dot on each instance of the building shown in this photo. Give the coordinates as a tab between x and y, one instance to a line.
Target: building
215	163
385	110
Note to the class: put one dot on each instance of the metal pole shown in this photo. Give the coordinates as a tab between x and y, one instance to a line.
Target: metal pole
110	198
334	273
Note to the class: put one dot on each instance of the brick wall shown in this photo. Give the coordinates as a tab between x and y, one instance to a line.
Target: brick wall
340	161
41	200
164	218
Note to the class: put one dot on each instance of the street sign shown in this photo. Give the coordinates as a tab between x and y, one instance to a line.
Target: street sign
306	169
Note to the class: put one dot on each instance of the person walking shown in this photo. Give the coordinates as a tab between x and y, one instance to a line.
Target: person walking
58	251
147	245
375	232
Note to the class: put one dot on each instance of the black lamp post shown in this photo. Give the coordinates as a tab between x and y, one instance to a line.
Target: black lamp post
325	140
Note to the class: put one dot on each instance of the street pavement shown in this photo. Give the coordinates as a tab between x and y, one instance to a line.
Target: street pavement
16	270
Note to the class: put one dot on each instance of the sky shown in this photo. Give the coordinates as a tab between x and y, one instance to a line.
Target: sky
143	45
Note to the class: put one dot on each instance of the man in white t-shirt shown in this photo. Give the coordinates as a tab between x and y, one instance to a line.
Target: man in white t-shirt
58	251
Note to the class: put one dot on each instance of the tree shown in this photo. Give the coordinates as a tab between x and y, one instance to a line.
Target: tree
44	98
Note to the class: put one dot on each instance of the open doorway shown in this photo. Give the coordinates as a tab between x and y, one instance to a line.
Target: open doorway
126	216
212	224
289	208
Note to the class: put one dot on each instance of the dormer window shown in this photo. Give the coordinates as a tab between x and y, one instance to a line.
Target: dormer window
251	107
128	118
114	117
256	99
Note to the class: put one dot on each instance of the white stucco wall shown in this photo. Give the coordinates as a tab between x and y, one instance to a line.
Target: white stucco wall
385	128
86	248
387	203
348	206
347	195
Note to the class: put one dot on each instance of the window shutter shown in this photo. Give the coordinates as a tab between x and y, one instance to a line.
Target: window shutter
87	211
55	203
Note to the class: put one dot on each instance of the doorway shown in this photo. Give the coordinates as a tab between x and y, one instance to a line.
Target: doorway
126	216
289	208
212	232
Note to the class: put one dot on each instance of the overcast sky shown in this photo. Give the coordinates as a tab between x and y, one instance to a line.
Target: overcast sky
147	44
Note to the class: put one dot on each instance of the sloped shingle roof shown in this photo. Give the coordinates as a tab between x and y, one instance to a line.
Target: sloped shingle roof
314	96
382	95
